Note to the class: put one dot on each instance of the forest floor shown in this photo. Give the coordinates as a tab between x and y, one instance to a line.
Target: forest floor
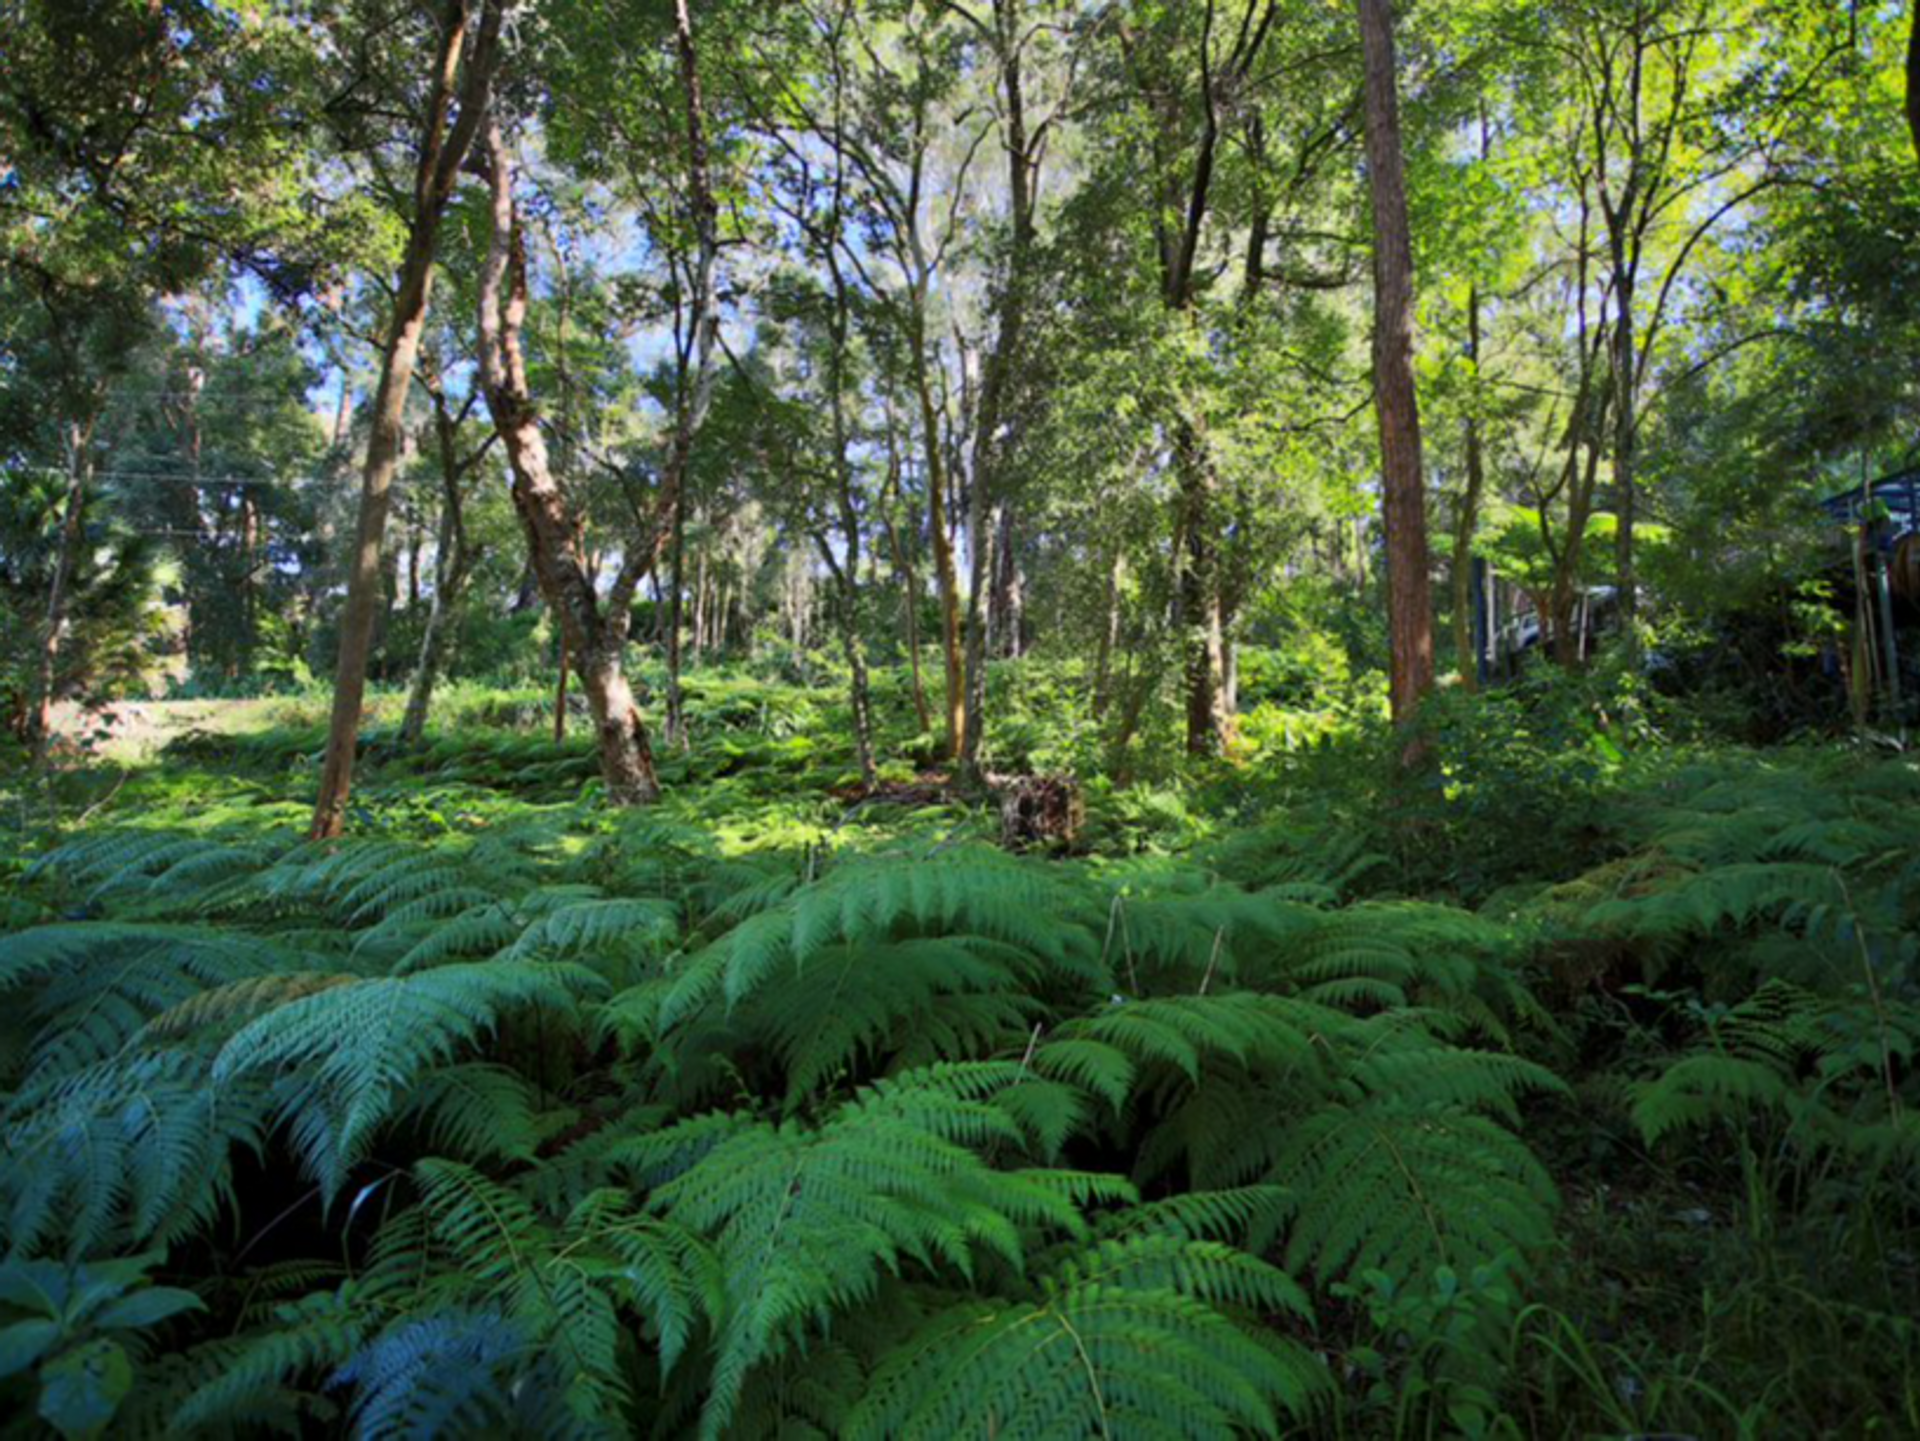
1634	1013
135	732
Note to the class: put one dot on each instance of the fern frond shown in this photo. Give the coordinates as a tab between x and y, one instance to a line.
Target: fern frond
1406	1188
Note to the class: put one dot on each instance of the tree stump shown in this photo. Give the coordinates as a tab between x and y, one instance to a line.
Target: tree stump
1039	812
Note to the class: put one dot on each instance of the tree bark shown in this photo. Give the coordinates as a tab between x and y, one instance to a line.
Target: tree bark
1913	79
65	562
694	393
1466	662
443	149
986	503
1625	435
453	564
595	639
943	563
1409	610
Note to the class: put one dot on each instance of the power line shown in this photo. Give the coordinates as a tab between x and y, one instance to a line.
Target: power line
182	477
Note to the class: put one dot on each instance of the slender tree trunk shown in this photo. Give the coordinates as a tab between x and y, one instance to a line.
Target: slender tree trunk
943	563
1203	631
676	620
1409	608
986	503
903	567
453	560
65	562
447	589
1625	438
1007	623
694	393
443	150
1913	79
595	639
1109	637
1466	662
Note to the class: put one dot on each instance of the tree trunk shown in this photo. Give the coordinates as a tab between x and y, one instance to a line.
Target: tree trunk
453	562
1913	80
694	393
986	503
1466	662
1203	634
945	573
1409	612
676	620
903	567
447	586
1007	622
1109	637
442	152
595	640
1625	499
65	561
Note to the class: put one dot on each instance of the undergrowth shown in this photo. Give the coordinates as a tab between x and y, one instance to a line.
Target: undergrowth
1293	1107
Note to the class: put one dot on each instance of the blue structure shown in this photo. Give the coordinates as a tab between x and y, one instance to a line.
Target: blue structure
1898	492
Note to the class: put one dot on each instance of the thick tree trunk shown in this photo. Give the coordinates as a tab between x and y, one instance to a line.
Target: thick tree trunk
443	150
1409	609
595	640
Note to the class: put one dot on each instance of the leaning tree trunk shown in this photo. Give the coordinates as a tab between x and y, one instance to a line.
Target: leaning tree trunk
443	151
1409	612
595	641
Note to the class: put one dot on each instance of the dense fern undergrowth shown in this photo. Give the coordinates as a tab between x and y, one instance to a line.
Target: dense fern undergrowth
1293	1106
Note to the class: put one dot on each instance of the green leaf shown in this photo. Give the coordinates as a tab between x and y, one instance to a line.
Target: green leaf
24	1343
148	1308
82	1388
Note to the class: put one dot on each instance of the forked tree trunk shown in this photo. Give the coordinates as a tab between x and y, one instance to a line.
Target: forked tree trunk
443	150
595	639
1409	612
